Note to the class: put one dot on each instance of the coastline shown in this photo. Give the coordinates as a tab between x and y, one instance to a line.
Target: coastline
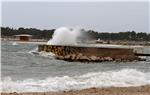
119	42
27	42
89	44
138	90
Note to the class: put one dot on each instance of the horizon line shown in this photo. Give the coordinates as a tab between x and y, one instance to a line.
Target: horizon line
75	0
81	28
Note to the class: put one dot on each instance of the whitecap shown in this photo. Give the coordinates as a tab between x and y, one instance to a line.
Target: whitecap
120	78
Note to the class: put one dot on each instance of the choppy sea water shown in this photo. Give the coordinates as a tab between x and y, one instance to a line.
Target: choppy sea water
24	70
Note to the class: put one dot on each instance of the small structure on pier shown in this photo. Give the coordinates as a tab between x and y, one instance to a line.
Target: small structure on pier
23	37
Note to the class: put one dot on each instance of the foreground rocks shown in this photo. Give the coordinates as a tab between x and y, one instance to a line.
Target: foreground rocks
141	90
82	58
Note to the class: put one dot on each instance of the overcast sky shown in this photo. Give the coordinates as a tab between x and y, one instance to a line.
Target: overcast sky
99	16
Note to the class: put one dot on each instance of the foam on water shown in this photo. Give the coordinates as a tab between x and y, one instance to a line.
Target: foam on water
14	43
65	36
121	78
42	53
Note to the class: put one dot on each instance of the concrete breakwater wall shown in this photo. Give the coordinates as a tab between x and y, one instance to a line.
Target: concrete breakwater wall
81	53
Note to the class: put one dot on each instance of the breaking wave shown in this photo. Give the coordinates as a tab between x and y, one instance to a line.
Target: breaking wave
120	78
65	36
42	53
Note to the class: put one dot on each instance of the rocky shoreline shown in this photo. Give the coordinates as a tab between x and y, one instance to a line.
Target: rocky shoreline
83	58
139	90
89	53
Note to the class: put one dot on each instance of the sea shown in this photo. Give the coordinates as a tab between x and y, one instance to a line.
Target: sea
24	69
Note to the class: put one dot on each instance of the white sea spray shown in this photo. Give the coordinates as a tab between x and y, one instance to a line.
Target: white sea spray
65	36
119	78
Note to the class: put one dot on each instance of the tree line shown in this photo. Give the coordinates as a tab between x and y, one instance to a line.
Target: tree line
47	34
128	35
36	33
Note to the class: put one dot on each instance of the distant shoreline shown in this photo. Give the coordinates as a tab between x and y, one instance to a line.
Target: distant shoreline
119	42
29	42
138	90
35	41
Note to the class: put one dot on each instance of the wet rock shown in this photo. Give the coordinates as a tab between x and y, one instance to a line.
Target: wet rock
108	59
78	56
84	58
118	60
67	57
59	57
102	59
141	59
93	58
73	56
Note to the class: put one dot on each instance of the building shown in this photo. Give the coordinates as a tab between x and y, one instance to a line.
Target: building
100	41
23	37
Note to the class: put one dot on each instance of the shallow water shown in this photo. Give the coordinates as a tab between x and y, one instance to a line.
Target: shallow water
25	71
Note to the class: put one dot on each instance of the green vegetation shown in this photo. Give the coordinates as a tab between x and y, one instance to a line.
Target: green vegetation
128	35
47	34
37	34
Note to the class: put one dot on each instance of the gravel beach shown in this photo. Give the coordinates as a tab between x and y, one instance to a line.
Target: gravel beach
140	90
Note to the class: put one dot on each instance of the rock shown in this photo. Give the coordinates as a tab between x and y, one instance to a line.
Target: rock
84	58
141	59
73	56
56	56
108	59
78	56
101	59
118	60
59	57
67	57
93	58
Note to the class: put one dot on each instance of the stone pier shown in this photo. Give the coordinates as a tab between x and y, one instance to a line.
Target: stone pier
83	53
